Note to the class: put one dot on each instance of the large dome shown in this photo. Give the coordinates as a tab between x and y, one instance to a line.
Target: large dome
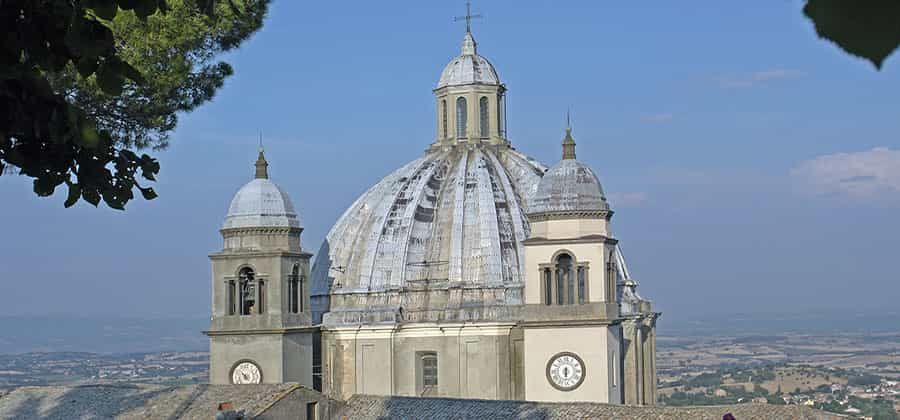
451	218
468	68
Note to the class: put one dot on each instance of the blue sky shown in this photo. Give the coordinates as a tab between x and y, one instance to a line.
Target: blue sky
753	167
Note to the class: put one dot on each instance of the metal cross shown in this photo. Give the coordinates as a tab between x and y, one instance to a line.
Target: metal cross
468	17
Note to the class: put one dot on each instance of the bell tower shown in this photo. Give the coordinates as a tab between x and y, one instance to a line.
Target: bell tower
261	330
571	330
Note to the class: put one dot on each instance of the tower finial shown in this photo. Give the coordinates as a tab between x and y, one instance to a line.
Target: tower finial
568	142
468	17
262	166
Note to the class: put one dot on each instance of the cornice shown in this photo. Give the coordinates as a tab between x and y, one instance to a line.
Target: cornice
568	215
590	239
269	331
222	255
262	230
570	323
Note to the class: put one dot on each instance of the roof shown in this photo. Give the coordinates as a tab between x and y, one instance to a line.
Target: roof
468	67
136	401
568	186
362	407
451	216
261	203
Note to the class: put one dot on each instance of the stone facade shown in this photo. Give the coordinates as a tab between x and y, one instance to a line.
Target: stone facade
473	271
260	301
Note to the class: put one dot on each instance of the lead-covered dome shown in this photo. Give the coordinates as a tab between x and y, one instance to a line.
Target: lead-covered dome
468	67
452	218
261	203
569	186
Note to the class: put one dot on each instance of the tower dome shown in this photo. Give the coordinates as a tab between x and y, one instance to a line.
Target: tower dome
569	186
468	67
261	203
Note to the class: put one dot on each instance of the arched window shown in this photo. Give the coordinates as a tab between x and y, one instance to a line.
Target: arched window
295	292
483	116
565	292
246	291
564	281
443	118
461	117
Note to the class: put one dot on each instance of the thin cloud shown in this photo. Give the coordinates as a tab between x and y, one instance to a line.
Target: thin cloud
760	77
628	199
659	118
867	175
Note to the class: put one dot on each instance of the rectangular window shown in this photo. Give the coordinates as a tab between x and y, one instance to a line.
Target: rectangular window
560	287
615	368
429	370
570	285
582	290
229	303
292	295
312	410
548	287
262	297
300	294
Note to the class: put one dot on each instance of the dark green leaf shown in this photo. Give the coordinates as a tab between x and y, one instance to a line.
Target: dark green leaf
89	137
128	4
87	66
148	193
44	186
74	195
145	8
109	79
91	196
105	9
132	73
869	29
114	201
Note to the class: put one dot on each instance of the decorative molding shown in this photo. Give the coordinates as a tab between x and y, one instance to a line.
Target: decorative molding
570	323
590	239
223	255
265	230
274	331
568	215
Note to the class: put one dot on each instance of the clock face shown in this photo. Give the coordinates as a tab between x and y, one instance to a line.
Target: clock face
246	373
565	371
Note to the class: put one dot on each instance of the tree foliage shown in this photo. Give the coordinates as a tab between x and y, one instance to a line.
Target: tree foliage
868	29
85	84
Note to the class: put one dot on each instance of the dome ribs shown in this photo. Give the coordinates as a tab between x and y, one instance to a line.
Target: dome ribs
483	256
442	232
456	233
512	247
402	239
387	247
420	267
365	227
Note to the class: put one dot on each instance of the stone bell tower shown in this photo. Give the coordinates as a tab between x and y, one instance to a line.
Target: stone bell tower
572	333
261	329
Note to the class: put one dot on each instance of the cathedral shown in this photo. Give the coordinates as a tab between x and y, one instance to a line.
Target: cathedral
472	271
